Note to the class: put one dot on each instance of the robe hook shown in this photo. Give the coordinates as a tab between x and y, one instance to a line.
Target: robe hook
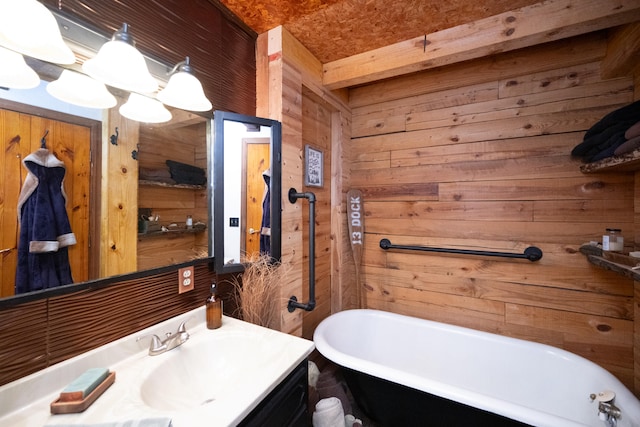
43	141
114	138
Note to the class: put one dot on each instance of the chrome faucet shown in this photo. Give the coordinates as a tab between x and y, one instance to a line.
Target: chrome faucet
607	411
159	346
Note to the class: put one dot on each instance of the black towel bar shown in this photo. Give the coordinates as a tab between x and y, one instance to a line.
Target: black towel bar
293	301
532	253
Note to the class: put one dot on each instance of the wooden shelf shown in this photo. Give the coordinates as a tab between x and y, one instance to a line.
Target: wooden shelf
172	232
622	269
629	162
148	183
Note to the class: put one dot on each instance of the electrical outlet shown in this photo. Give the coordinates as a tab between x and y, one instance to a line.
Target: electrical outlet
186	279
234	222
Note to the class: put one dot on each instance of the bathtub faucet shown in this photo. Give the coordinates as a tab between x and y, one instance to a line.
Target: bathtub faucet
607	411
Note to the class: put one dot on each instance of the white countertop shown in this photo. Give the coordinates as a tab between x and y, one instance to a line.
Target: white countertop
265	358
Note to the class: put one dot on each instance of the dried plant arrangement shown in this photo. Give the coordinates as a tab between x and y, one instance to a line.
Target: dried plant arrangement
257	290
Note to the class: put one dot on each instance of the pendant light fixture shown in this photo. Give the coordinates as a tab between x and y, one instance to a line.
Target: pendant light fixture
184	90
82	90
144	109
15	73
119	64
28	27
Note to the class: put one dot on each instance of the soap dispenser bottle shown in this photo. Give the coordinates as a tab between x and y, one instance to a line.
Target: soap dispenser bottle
214	309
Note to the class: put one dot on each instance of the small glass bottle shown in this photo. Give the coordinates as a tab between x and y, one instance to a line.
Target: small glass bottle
615	240
189	221
214	309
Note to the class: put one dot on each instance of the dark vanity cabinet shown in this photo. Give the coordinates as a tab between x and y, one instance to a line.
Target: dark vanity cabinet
286	405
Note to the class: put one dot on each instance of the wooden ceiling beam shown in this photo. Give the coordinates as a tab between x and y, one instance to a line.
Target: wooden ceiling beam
531	25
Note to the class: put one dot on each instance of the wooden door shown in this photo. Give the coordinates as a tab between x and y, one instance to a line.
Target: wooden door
258	160
20	135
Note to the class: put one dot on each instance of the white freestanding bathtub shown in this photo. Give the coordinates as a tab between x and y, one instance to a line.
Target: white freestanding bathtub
408	371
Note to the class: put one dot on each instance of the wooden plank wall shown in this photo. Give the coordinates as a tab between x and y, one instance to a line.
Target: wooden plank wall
185	144
118	195
289	88
316	132
477	156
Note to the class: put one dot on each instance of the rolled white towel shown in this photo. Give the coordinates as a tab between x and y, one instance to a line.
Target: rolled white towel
328	413
314	374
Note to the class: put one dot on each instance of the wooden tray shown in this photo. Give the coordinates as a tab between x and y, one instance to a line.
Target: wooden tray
58	407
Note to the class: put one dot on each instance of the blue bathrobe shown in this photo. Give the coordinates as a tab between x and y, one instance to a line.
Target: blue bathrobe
45	231
265	230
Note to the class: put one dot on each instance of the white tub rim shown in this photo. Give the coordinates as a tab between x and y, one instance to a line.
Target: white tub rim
508	409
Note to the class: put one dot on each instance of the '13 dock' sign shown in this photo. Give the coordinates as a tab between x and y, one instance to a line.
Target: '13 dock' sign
355	217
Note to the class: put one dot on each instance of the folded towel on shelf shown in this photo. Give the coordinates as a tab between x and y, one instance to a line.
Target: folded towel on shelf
633	131
328	413
629	113
605	137
613	143
628	146
183	173
147	422
597	143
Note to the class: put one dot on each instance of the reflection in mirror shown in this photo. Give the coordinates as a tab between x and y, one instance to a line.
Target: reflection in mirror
72	135
245	183
172	193
29	113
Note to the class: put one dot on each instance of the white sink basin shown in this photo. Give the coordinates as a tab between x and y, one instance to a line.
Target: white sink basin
199	373
214	379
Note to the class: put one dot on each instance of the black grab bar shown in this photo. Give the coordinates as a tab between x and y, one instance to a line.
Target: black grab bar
293	301
532	253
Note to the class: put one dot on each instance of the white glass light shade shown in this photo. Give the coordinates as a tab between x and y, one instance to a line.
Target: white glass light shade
78	89
14	71
185	91
143	109
121	65
28	27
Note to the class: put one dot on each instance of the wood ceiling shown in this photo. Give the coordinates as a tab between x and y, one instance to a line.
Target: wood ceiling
335	29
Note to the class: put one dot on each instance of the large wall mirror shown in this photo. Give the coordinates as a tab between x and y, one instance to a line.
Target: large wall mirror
245	210
184	139
24	120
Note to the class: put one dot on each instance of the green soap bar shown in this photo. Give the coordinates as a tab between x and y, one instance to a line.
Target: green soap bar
82	386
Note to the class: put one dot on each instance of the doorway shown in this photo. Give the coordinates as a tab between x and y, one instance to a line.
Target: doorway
257	158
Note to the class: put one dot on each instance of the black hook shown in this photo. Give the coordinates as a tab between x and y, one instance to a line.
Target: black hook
43	141
114	138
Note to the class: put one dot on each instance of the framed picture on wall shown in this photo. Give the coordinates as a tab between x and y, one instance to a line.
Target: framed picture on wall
314	167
